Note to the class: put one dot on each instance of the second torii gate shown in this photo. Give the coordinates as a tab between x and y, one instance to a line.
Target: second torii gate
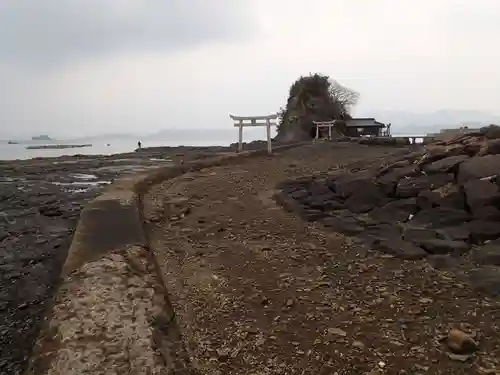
243	121
324	124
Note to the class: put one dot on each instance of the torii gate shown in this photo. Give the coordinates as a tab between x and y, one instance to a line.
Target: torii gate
242	121
325	124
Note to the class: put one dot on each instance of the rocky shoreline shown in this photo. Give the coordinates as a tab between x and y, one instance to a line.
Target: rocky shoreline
441	203
40	203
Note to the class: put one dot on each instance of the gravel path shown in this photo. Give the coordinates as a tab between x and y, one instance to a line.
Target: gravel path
257	290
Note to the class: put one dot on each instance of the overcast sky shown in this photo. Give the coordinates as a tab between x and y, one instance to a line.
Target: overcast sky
73	67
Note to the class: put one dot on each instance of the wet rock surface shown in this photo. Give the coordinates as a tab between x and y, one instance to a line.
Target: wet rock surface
40	204
441	202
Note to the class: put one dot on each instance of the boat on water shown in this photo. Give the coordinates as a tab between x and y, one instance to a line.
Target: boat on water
12	143
43	137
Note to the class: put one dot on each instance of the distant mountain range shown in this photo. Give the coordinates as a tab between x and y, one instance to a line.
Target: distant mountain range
404	122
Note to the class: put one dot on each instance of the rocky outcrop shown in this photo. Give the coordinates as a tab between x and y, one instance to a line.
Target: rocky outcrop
443	200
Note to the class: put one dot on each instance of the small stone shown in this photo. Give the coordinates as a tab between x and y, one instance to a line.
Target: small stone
461	343
458	357
290	302
223	353
421	368
358	344
260	341
426	300
337	332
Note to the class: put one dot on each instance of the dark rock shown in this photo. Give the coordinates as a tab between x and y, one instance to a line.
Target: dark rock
366	200
439	217
3	234
428	199
353	184
401	249
289	186
456	233
446	165
491	131
488	213
310	214
395	211
488	254
408	205
486	280
490	147
387	186
319	188
285	201
417	235
450	196
298	194
481	230
388	168
333	205
472	148
389	181
478	167
345	225
443	262
318	201
480	193
389	215
412	186
439	246
50	211
436	152
381	231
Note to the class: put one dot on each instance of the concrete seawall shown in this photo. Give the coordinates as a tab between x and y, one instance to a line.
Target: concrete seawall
111	313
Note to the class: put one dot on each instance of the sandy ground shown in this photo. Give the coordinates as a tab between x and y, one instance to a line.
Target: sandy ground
258	291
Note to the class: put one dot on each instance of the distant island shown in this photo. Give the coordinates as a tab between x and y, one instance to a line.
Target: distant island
51	147
42	137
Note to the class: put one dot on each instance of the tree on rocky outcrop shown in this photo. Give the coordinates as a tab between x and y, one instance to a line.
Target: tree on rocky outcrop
314	98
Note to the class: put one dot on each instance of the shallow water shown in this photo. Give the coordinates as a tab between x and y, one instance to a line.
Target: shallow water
113	145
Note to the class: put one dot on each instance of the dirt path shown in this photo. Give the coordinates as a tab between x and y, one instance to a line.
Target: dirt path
258	291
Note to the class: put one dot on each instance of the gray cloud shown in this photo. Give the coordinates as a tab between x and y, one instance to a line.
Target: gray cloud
53	31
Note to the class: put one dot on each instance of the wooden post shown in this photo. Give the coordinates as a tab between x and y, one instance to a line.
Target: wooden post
317	131
240	140
330	132
268	130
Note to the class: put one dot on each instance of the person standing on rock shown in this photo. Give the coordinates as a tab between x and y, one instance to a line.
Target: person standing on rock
139	144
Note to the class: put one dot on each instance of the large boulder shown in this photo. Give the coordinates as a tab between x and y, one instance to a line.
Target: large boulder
490	147
439	217
491	132
488	254
480	194
445	165
479	167
412	186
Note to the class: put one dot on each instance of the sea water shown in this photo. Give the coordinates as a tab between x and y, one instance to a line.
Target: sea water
110	145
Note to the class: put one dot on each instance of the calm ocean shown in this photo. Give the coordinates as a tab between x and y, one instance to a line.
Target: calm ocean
122	145
110	145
